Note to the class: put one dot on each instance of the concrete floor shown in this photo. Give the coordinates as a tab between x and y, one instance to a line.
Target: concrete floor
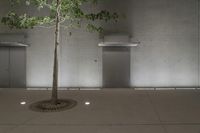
110	111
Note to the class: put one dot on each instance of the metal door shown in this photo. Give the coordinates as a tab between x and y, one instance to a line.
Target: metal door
12	67
4	67
18	67
116	67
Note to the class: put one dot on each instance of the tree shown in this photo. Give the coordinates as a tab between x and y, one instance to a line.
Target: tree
67	13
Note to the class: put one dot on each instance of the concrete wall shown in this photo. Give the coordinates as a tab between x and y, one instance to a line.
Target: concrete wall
168	54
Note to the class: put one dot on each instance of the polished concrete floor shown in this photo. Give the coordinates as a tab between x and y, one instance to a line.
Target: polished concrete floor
109	111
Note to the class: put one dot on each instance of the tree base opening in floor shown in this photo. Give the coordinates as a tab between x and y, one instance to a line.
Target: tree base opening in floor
49	106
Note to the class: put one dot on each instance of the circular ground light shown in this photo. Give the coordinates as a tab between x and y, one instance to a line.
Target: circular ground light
48	106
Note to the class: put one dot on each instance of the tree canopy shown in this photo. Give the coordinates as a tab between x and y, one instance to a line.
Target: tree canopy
71	14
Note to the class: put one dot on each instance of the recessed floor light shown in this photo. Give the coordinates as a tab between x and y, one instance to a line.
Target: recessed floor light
23	103
87	103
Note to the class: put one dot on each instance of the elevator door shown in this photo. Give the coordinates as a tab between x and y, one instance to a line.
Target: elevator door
116	67
12	67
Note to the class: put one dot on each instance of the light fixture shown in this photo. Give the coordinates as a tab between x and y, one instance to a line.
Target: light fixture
118	44
87	103
13	44
118	40
23	103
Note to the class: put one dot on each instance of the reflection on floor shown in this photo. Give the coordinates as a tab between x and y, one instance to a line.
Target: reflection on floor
103	111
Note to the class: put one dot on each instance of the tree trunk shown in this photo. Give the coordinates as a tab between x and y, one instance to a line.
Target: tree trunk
54	97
